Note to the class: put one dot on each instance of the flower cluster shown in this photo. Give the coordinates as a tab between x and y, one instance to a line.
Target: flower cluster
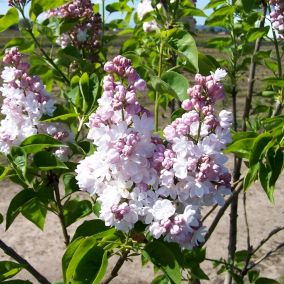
85	34
139	177
61	132
277	16
143	8
25	101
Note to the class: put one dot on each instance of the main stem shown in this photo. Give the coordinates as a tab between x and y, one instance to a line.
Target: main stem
252	71
12	253
157	95
53	179
103	22
117	267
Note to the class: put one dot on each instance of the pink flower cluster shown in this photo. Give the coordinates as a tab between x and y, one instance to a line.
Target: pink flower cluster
85	34
25	101
277	16
61	132
139	177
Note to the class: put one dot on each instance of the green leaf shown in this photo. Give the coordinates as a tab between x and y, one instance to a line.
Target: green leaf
63	117
265	176
161	279
242	148
18	159
39	142
219	18
16	205
89	89
248	6
214	4
277	82
263	280
97	208
162	87
256	33
70	184
185	45
193	11
198	273
9	269
40	6
69	253
163	258
196	255
75	210
91	228
253	275
4	172
207	63
46	161
86	262
276	161
35	211
178	83
8	20
1	218
84	88
241	255
251	176
258	147
177	113
103	269
273	122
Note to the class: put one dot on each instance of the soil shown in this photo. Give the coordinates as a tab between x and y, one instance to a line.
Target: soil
44	249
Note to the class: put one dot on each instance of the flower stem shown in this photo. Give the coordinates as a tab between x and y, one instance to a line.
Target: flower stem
157	95
117	267
46	56
53	179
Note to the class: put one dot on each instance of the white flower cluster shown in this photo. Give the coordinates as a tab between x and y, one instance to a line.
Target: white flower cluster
139	177
25	101
143	8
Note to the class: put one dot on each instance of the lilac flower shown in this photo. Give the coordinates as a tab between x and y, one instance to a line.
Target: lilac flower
86	34
139	177
277	16
25	101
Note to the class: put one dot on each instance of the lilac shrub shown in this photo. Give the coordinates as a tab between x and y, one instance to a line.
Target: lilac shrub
137	176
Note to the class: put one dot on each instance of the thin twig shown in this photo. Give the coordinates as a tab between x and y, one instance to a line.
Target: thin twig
252	252
249	246
252	71
266	256
209	213
118	265
224	263
12	253
269	236
54	182
222	210
46	56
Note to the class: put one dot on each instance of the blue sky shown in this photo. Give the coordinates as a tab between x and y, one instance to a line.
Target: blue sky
200	4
